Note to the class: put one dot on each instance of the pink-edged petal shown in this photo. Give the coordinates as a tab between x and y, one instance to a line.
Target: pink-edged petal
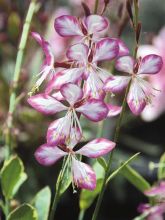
136	98
46	48
113	110
123	49
78	52
96	23
116	84
150	64
67	26
97	148
125	64
94	109
63	77
83	175
71	92
59	130
46	104
106	49
58	96
48	155
156	190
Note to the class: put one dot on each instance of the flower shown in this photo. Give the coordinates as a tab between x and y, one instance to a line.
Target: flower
157	191
140	92
151	212
65	128
84	61
47	70
158	106
83	175
69	26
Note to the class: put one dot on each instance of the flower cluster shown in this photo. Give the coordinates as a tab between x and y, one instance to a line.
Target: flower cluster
156	211
78	86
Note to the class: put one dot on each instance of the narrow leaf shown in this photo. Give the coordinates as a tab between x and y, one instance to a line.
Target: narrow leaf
135	178
42	203
23	212
121	167
102	162
12	176
161	167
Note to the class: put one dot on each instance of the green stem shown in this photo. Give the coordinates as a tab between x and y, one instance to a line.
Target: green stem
58	188
17	71
116	137
96	6
81	214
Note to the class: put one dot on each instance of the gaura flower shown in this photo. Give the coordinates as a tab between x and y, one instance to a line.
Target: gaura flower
83	175
47	70
141	92
85	65
151	212
157	191
69	126
69	26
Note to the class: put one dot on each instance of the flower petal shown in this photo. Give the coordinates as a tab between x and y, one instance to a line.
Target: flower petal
156	190
123	49
96	23
150	64
46	48
48	155
71	92
116	84
78	52
113	110
136	98
94	109
83	175
97	148
125	64
67	26
63	77
106	49
46	104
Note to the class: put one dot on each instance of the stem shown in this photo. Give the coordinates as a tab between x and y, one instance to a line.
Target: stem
17	71
136	18
116	137
96	6
58	187
81	214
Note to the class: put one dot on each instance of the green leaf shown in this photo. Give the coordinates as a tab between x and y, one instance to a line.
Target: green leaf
65	177
23	212
42	203
12	176
87	197
102	162
161	167
121	167
135	178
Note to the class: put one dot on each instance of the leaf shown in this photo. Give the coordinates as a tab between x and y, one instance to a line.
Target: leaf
87	197
12	176
161	167
42	203
121	167
65	178
102	162
135	178
23	212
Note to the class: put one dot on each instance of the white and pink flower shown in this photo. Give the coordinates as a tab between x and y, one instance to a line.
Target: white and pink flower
83	175
68	126
141	92
84	61
47	70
